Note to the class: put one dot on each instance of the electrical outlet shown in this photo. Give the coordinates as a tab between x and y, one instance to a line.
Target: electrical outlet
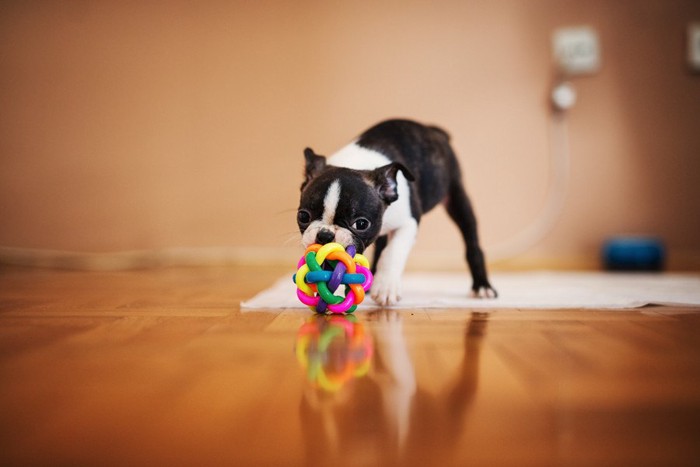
694	46
576	50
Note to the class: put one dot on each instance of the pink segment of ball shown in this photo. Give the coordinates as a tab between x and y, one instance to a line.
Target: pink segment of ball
368	277
306	300
345	305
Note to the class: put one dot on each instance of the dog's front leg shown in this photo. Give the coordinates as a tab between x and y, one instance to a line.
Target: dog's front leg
386	289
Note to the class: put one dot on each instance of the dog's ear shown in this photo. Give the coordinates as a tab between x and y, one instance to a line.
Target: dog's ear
384	179
314	165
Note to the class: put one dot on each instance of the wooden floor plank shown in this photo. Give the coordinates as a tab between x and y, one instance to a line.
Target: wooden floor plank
161	367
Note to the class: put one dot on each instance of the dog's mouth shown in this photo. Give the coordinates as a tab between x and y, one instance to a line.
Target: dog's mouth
359	245
333	234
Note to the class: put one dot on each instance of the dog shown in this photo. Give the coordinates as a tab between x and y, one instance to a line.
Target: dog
375	191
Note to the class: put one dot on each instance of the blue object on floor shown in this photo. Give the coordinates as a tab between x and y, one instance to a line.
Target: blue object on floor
634	254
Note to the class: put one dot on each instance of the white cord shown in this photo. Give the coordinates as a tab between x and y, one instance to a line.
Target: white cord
559	173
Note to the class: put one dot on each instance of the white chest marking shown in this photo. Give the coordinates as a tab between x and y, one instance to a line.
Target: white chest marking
356	157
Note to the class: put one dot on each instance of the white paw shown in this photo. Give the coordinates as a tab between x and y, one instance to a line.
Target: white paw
483	292
386	290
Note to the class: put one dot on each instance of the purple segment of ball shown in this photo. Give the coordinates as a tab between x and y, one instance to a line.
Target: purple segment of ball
336	278
340	270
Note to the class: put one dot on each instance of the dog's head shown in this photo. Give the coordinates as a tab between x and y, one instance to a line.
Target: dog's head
344	205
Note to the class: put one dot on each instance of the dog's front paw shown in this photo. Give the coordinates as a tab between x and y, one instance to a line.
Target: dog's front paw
386	290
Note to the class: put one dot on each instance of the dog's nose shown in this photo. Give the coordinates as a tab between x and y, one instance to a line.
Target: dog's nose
324	236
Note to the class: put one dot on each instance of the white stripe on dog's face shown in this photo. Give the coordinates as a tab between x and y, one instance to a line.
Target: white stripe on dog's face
327	221
330	203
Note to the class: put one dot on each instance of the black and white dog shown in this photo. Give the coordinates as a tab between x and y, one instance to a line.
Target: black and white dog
375	190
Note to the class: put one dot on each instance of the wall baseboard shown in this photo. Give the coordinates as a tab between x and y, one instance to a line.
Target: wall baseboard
288	256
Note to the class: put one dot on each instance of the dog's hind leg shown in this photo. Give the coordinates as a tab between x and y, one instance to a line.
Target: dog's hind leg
460	210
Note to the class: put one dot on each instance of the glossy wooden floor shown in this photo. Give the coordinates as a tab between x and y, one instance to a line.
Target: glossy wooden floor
161	368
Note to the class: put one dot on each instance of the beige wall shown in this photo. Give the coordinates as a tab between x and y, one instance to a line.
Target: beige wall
147	125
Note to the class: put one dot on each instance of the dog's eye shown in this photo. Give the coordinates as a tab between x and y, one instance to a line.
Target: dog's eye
303	216
361	224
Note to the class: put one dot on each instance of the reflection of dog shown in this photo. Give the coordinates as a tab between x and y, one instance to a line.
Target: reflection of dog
385	417
362	194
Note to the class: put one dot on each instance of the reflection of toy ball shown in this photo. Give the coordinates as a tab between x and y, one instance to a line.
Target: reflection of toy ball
323	269
333	350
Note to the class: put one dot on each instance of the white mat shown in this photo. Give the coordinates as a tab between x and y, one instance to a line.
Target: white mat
534	290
